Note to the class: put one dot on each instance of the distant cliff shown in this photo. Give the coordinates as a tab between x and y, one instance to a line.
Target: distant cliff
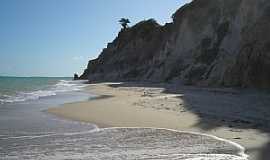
209	42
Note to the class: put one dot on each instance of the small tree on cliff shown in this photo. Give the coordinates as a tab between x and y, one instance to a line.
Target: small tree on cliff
124	22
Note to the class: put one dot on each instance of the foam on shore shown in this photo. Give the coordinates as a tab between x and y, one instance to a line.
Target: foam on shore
128	143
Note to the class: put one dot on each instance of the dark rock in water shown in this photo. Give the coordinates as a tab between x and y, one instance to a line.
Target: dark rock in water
209	42
76	77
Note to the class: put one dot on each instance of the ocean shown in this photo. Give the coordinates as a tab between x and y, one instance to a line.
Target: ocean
28	132
18	89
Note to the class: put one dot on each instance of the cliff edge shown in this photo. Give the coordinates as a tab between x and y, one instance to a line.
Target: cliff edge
209	42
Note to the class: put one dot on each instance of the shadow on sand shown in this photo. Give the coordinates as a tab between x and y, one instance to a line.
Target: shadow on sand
100	97
241	108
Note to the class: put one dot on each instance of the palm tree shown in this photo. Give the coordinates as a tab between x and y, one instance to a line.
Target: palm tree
124	22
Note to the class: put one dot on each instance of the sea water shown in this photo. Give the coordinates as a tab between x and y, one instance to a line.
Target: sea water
18	89
27	131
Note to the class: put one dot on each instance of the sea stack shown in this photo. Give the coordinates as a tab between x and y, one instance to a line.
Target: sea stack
75	77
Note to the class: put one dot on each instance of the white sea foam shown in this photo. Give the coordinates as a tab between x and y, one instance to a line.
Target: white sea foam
60	87
127	144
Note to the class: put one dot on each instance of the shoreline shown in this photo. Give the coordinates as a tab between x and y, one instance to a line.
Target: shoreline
241	152
144	105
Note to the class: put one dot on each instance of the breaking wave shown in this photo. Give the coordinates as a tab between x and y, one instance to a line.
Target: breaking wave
60	87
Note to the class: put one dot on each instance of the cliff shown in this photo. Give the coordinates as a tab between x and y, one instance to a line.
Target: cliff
209	42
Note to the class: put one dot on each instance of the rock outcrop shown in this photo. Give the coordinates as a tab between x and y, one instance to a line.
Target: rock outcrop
209	42
76	77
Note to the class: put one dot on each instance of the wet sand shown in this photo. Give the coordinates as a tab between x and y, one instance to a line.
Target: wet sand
204	110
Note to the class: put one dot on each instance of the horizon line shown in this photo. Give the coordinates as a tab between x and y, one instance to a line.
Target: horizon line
35	76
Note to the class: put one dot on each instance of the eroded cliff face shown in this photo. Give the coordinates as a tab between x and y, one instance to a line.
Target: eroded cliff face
209	42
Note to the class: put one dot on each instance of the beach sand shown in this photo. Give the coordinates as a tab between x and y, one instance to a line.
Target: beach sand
238	116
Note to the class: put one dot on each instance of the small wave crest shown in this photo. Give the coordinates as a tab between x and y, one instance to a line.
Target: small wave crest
60	87
64	86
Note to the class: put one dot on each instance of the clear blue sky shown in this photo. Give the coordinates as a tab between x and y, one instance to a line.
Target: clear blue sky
58	37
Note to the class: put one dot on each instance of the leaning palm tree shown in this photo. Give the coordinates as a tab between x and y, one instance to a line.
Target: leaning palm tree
124	22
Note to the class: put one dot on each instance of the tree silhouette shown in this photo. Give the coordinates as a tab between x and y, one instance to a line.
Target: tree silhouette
124	22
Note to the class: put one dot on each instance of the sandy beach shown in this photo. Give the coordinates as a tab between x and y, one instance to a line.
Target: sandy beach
236	115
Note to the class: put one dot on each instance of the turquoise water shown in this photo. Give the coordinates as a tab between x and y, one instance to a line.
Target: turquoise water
11	85
17	89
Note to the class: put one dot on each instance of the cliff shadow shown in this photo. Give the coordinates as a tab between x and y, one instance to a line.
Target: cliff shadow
221	107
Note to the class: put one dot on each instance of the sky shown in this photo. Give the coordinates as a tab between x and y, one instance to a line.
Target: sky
53	38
